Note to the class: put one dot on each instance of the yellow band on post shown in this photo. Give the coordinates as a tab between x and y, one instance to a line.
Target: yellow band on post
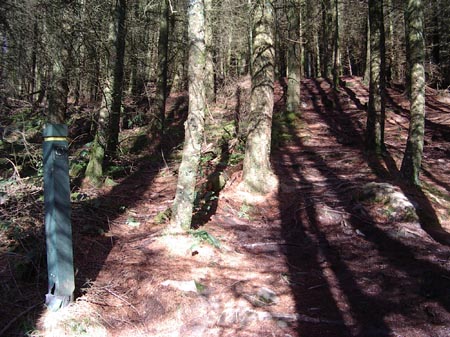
55	139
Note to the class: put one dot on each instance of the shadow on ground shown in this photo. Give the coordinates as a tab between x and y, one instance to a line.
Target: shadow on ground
345	266
92	221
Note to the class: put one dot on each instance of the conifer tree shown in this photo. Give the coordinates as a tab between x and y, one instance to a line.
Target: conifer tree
416	50
194	125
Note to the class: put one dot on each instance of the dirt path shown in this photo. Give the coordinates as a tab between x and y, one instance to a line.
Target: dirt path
312	259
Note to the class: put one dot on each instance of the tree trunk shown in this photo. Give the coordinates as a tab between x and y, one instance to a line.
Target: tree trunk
250	38
327	22
293	57
209	61
411	164
94	169
376	113
194	126
163	62
367	63
58	89
106	138
117	88
337	47
257	173
57	94
390	43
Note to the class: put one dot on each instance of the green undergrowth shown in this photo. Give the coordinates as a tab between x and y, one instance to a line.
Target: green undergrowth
205	237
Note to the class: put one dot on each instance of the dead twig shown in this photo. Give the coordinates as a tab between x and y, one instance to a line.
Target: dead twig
16	171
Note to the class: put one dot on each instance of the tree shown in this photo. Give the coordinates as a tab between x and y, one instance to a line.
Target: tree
194	125
327	31
293	56
376	111
106	138
163	63
257	173
412	159
117	87
337	45
209	62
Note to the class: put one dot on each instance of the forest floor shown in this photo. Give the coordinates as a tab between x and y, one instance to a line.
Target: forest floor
341	248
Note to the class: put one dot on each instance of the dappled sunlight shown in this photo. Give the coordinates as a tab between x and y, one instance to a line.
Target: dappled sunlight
364	249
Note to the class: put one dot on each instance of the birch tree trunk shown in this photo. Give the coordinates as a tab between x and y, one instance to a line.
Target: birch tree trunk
194	125
412	160
257	173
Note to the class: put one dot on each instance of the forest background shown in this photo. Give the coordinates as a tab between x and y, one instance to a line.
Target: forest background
125	75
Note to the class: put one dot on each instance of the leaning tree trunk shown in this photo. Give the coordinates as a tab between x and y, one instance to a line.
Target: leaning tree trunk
376	113
257	173
412	160
293	57
194	126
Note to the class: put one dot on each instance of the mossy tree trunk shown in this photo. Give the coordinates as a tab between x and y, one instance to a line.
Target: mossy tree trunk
412	159
293	56
106	139
376	110
257	173
94	169
194	126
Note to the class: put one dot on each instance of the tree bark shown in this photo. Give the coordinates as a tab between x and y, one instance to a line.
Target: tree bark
337	46
327	21
117	87
107	136
194	126
257	173
412	159
163	62
293	57
376	111
209	61
367	63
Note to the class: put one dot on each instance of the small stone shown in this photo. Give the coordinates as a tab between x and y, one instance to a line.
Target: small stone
267	295
186	286
282	324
